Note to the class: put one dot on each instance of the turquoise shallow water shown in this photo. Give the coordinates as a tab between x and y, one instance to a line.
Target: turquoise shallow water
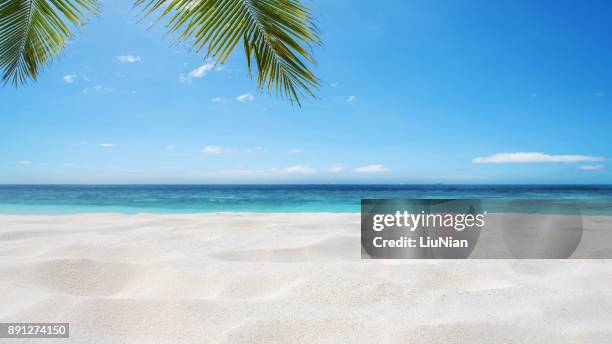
130	199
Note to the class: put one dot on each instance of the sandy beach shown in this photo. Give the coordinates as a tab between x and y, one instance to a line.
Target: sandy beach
282	278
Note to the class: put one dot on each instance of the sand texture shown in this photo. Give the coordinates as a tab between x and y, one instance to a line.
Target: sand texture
283	278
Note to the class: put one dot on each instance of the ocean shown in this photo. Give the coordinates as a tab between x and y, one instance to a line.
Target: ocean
131	199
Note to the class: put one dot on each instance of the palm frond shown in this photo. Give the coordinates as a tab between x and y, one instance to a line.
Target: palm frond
277	34
33	32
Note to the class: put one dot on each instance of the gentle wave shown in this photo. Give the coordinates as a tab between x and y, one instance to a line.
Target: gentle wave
70	199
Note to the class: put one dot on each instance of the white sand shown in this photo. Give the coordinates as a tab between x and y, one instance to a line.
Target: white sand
280	278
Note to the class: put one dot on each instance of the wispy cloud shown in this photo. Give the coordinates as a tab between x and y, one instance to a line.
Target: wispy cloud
350	99
128	58
24	162
296	151
97	88
199	72
533	157
595	168
70	78
335	84
296	169
218	100
378	168
336	168
211	150
247	97
102	88
107	145
254	149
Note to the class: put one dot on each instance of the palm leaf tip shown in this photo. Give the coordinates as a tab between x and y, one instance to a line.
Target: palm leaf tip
33	32
277	34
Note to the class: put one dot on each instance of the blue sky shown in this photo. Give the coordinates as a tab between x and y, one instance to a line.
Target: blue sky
412	92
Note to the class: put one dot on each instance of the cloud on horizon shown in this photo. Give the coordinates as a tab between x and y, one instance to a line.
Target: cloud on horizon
336	168
377	168
595	168
533	157
296	169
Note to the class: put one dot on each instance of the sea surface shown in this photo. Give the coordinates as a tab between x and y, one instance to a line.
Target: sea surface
130	199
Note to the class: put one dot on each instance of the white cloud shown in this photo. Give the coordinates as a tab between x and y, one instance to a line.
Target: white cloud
335	168
533	157
296	151
247	97
350	99
378	168
129	58
69	79
214	150
218	100
107	145
297	169
199	72
24	162
597	168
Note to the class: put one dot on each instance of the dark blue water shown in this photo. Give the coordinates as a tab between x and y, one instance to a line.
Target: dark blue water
68	199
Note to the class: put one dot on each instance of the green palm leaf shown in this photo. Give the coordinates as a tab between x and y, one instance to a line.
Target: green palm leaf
277	34
32	32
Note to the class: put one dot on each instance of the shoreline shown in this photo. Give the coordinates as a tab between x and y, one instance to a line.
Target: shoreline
262	213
